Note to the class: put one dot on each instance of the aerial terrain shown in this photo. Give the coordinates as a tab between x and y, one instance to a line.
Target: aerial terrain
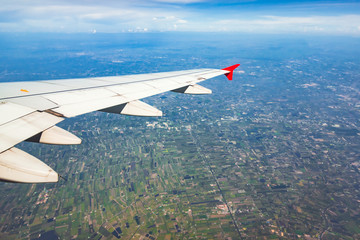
273	154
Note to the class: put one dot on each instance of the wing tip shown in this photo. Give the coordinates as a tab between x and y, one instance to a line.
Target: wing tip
231	69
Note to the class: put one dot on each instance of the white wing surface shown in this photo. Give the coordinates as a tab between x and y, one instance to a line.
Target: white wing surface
29	111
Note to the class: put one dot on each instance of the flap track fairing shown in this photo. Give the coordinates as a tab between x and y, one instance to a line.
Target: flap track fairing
193	89
55	135
134	108
19	166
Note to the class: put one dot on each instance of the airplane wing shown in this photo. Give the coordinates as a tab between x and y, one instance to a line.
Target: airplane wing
29	111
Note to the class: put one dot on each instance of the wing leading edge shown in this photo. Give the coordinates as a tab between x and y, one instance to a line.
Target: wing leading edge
29	111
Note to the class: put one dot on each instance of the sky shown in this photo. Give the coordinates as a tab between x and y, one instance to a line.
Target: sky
113	16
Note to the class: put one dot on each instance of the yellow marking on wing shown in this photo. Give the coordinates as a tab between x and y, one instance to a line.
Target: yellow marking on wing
24	90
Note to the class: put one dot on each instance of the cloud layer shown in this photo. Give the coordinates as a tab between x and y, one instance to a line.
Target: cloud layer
341	18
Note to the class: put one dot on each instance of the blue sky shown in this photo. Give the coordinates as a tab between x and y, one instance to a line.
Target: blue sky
254	16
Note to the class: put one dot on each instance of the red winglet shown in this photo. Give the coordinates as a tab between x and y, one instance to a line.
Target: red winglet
229	75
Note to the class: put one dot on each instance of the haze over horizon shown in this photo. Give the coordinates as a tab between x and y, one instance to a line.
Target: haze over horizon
284	17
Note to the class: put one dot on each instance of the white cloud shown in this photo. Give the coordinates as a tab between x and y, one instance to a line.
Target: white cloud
156	15
82	18
346	24
181	21
180	1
